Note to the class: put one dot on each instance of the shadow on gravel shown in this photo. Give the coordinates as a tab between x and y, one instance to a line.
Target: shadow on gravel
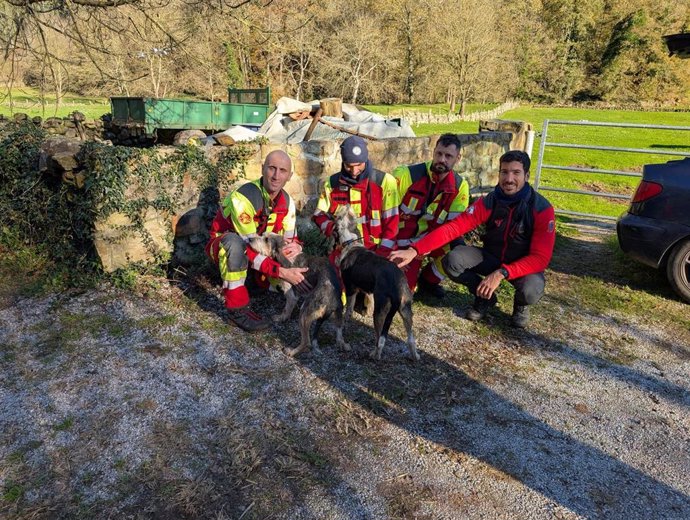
603	261
613	367
226	462
439	402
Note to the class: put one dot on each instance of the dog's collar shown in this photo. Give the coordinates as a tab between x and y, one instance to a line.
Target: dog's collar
345	244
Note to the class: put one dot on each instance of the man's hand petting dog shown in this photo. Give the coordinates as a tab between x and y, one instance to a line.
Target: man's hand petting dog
402	257
291	250
295	277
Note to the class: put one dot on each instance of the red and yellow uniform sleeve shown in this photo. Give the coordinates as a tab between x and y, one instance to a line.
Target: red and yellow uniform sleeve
475	215
389	215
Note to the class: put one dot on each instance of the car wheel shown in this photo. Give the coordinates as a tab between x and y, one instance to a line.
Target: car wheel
678	269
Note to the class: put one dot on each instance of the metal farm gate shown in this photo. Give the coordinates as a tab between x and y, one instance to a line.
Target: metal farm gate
544	143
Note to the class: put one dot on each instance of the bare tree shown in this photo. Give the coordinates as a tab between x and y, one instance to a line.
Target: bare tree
472	49
353	53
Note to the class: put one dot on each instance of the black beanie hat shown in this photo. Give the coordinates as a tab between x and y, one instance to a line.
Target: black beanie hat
354	150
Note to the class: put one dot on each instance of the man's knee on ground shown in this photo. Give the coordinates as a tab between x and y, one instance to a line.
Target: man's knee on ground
456	261
529	289
235	251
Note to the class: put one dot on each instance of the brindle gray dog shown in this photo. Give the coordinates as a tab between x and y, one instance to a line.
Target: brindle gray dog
321	302
364	271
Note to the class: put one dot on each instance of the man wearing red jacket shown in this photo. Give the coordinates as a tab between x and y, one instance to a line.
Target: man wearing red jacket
517	244
372	195
255	208
431	193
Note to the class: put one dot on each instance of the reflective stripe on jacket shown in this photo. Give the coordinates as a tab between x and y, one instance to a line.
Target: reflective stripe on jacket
374	202
425	205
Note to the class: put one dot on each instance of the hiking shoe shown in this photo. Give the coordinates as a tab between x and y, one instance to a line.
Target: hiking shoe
248	320
480	307
434	289
520	316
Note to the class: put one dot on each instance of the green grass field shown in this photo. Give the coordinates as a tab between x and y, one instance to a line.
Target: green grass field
437	109
599	136
29	101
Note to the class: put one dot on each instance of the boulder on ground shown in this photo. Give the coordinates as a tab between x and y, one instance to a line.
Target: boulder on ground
188	137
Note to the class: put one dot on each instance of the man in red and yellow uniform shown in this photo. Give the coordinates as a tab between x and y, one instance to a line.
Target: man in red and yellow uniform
517	244
431	193
255	208
372	195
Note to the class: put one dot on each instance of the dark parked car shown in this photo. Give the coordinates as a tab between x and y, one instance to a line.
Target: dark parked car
656	228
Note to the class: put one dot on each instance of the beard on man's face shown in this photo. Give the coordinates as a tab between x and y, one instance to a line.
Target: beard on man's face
439	168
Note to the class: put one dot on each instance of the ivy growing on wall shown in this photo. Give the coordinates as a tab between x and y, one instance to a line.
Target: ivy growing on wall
60	217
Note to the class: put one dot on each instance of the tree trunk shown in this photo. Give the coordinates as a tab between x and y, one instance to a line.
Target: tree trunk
332	107
409	57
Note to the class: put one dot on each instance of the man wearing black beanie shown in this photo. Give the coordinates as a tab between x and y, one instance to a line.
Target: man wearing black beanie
372	195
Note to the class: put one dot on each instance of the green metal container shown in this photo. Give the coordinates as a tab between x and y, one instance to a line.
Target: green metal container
250	96
150	114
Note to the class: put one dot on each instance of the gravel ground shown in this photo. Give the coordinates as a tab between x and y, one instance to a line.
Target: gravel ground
122	405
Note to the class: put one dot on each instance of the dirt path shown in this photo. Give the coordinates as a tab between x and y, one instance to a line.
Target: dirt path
117	405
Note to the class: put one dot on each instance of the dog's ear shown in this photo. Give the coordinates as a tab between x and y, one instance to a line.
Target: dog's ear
261	245
341	211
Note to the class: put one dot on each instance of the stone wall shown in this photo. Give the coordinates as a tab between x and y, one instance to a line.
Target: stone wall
518	129
313	162
415	117
75	126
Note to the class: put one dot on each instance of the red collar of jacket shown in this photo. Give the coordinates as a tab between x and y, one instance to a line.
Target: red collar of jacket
446	185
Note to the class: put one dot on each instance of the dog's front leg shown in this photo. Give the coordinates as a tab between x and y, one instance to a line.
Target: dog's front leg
306	318
290	302
339	322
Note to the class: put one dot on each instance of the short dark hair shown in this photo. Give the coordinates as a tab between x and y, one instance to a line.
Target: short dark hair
448	139
516	155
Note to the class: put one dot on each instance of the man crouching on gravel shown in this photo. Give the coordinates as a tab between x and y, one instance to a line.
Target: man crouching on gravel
257	207
517	243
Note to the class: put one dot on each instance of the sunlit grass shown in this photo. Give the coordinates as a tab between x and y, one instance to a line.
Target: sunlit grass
30	101
651	139
435	109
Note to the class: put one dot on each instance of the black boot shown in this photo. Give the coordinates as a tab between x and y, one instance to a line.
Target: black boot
434	289
480	308
520	316
248	320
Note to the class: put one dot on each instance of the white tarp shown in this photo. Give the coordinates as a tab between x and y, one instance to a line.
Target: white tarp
239	133
280	128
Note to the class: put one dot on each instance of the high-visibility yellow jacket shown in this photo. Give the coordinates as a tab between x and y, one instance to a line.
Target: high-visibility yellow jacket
249	212
424	204
374	201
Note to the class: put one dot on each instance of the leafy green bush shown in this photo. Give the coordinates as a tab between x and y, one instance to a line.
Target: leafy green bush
313	241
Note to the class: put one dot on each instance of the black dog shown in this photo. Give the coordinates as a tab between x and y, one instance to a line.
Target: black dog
321	302
364	271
